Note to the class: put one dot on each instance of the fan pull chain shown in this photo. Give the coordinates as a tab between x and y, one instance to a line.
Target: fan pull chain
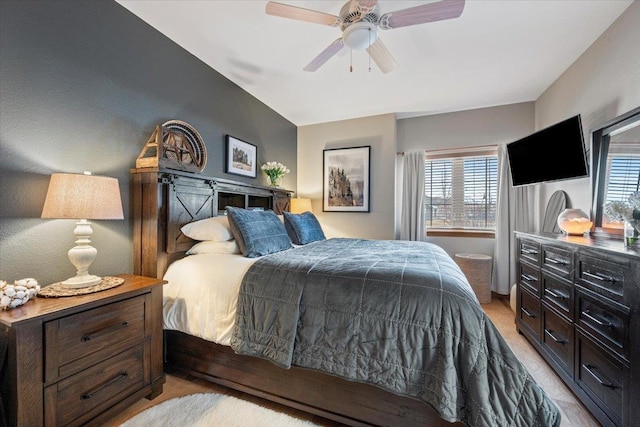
351	61
369	49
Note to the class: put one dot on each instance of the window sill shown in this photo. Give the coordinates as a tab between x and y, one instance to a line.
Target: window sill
460	232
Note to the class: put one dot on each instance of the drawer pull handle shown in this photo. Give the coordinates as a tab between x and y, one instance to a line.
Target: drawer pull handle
528	278
105	331
90	394
556	261
600	277
555	294
529	251
553	337
527	312
594	319
589	368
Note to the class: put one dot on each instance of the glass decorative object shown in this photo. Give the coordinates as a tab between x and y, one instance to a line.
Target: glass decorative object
632	233
574	222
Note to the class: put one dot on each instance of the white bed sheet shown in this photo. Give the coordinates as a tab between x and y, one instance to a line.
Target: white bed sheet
201	295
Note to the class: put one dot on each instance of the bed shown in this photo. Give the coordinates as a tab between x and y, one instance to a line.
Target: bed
422	352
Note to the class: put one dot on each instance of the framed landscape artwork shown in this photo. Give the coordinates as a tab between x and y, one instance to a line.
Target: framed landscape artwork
346	179
240	157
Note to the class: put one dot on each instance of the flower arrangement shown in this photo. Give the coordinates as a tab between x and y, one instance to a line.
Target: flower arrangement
21	291
624	210
275	171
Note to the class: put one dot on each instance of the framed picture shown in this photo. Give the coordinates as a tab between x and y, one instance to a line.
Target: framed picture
346	179
241	157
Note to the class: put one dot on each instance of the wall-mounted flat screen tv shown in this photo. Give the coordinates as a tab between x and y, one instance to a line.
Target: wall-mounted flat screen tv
551	154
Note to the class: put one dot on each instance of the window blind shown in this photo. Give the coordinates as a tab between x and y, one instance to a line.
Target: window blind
461	191
623	171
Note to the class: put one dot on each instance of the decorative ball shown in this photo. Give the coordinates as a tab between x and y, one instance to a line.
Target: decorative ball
20	292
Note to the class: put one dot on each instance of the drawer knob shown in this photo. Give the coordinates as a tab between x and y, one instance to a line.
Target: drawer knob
599	276
528	278
553	337
529	252
90	394
596	320
590	368
527	312
105	331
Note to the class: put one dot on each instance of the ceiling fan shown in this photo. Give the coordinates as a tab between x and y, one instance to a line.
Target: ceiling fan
359	21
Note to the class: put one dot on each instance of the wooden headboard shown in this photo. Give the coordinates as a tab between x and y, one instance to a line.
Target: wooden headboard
164	200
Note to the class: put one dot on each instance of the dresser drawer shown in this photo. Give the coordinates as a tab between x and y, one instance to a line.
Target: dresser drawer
558	293
81	397
529	278
602	377
557	339
604	319
530	313
529	251
598	274
81	340
558	261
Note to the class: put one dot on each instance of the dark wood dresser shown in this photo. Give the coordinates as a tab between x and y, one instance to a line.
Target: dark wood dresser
80	360
578	303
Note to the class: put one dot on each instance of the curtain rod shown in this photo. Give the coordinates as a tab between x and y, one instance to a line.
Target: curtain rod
444	150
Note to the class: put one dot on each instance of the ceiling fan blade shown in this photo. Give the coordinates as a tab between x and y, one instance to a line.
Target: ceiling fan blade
301	14
325	55
445	9
382	57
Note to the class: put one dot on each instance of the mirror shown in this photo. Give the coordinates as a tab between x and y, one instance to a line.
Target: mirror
615	167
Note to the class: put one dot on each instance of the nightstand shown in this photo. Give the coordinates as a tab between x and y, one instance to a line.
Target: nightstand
80	360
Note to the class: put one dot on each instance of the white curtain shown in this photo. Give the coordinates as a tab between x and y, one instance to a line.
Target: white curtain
512	214
412	219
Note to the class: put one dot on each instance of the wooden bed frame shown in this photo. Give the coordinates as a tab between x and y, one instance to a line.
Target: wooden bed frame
165	200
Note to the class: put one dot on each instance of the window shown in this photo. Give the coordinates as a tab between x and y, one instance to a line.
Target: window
461	189
623	171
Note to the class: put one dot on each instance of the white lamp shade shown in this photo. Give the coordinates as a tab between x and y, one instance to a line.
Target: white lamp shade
78	196
300	205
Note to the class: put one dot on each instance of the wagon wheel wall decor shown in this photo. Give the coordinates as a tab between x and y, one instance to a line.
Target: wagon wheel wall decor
174	145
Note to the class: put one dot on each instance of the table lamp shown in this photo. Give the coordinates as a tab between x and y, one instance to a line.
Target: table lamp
300	205
82	197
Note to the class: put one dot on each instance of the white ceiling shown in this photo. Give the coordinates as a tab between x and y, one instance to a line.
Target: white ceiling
495	53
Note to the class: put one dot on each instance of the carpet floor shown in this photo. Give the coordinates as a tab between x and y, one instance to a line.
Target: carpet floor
212	410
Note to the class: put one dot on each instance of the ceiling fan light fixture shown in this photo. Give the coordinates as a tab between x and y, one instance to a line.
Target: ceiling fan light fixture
360	35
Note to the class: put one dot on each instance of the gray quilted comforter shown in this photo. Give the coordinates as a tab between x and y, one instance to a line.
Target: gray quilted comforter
399	315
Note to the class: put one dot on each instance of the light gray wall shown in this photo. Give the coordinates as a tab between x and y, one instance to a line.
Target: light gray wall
484	126
82	86
601	84
380	133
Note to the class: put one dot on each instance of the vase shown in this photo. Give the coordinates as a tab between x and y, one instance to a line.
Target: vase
574	222
275	181
632	233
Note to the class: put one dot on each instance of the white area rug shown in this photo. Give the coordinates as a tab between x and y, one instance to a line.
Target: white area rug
211	410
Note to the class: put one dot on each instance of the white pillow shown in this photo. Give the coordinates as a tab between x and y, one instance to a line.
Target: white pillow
215	229
209	247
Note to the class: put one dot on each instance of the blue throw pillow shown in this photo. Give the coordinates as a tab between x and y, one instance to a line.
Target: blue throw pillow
257	232
303	228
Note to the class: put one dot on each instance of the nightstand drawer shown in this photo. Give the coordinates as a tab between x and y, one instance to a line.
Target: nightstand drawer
78	341
82	396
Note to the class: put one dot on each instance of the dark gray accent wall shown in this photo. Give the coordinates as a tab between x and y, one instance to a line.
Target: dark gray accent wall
82	86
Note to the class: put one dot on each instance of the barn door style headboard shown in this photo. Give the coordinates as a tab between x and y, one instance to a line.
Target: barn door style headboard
165	200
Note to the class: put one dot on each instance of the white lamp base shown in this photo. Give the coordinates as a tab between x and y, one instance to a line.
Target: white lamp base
82	281
81	256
